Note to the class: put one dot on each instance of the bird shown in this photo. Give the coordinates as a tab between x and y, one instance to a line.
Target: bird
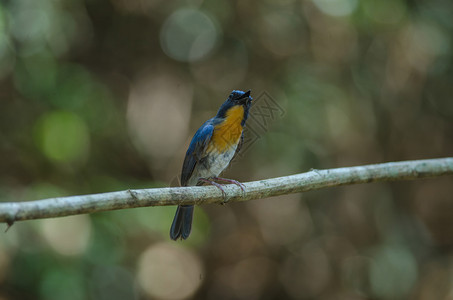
212	148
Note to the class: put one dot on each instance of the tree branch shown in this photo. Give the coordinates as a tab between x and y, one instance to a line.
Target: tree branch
313	180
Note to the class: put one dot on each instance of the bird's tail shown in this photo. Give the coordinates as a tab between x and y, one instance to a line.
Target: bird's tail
182	223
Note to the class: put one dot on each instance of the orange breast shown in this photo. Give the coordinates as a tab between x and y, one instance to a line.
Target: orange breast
228	133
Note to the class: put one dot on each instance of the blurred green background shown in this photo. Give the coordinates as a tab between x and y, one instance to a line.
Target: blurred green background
101	96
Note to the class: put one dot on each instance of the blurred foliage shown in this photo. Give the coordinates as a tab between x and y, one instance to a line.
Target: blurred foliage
100	96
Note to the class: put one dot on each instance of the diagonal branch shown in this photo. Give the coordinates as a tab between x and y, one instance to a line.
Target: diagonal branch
313	180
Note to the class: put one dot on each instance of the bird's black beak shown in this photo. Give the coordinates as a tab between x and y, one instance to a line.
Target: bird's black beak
240	97
245	98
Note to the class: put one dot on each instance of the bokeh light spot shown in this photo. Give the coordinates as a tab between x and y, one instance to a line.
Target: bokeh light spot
158	114
336	8
39	25
166	271
393	273
282	32
428	39
30	23
62	136
291	218
188	35
211	72
67	236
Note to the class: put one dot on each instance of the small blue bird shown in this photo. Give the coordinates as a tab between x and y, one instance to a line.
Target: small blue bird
211	150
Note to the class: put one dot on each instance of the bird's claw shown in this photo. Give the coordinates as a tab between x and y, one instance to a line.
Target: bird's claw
219	186
242	186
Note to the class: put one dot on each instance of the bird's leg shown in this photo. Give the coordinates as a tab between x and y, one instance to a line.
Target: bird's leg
231	181
219	186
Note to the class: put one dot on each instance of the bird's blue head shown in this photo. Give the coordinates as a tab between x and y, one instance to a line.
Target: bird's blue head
236	98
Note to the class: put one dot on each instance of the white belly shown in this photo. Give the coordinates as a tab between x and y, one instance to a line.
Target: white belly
213	166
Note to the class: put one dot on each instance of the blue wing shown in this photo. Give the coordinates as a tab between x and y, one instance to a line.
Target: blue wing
196	150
